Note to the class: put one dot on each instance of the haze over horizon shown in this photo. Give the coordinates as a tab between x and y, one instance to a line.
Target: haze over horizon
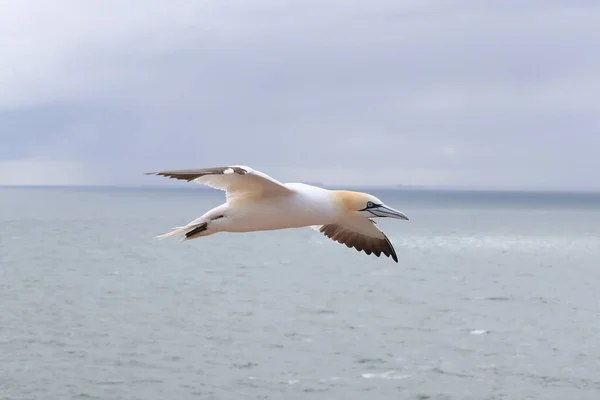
495	95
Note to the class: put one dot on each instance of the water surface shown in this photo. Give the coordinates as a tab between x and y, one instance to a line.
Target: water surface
495	297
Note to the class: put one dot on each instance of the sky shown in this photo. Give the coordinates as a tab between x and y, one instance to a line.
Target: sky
475	94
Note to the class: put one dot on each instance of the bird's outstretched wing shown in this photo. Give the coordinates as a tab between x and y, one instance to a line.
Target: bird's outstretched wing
360	233
237	181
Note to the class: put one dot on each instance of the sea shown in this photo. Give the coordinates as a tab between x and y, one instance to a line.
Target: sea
496	296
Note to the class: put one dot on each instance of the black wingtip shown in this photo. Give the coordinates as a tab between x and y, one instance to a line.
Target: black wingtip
392	250
200	228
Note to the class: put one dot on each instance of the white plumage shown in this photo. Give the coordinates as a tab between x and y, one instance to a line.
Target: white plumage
257	202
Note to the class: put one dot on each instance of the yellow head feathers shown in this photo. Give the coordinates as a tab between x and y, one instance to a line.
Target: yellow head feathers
354	201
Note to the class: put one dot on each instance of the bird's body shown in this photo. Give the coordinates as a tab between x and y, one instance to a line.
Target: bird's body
257	202
305	205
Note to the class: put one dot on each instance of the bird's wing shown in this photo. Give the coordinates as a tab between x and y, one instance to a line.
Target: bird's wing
360	233
237	181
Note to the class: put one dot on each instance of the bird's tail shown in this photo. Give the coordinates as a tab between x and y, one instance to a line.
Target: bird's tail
191	231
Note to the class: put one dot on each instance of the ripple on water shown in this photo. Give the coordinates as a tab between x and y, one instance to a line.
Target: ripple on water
393	375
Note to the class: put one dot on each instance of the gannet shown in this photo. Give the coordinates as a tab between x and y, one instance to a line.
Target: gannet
257	202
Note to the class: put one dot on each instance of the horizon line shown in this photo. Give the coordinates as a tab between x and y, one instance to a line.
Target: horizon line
332	187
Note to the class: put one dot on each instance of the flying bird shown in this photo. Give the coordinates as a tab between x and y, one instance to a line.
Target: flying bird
257	202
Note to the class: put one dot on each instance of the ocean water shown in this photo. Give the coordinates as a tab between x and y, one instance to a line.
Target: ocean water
496	296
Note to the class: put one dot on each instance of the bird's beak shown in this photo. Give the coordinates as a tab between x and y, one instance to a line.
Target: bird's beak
385	211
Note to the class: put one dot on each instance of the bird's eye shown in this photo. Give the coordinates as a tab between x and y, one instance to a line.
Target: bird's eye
370	204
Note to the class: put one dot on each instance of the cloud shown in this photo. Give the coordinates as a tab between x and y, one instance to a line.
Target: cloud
41	172
465	93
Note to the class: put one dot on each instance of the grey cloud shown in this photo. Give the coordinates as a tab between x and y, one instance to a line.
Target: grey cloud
497	93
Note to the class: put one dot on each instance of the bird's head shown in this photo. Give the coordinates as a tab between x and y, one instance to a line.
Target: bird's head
366	205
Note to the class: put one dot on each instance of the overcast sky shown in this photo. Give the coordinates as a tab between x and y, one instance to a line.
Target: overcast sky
502	93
